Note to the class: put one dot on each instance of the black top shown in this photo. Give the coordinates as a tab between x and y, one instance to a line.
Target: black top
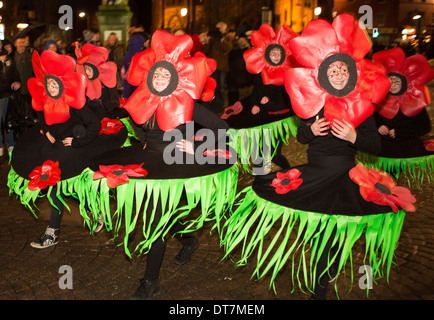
8	75
368	140
154	137
106	105
406	127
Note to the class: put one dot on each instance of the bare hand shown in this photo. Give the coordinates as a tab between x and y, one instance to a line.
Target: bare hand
67	142
185	146
255	110
320	127
392	133
50	137
344	130
264	100
16	85
383	130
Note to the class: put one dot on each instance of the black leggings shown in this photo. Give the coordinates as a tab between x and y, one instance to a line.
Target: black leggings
57	208
156	253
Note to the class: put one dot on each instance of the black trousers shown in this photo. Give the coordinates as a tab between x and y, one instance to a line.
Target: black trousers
156	253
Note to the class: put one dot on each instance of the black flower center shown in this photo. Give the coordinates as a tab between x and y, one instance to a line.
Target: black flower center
285	182
174	79
119	172
268	50
53	86
382	188
43	177
323	78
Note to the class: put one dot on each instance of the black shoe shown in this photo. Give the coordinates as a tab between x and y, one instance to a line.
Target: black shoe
48	239
184	255
146	290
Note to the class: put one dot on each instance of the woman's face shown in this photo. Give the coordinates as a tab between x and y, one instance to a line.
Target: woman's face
89	72
275	55
338	74
52	47
52	87
161	79
396	84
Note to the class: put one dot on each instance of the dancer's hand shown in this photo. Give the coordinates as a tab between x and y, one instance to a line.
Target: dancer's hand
344	130
67	142
320	127
264	100
50	137
255	109
392	133
383	130
185	146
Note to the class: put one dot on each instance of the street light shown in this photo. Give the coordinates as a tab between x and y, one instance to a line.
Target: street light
317	11
82	14
417	16
1	4
184	12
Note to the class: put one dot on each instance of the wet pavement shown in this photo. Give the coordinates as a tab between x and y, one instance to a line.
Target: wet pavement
101	270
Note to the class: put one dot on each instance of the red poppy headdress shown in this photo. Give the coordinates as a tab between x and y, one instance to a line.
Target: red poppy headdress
321	44
258	58
94	59
174	105
56	86
412	74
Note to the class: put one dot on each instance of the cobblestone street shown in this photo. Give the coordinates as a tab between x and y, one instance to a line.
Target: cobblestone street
102	271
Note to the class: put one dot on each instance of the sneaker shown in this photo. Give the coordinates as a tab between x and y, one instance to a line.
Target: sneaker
100	224
146	290
48	239
184	255
10	149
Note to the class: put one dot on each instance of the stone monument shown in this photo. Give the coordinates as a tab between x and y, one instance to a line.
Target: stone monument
114	16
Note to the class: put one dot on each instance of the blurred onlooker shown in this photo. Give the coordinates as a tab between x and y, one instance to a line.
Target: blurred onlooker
135	45
23	61
51	45
7	45
9	82
116	54
238	77
218	48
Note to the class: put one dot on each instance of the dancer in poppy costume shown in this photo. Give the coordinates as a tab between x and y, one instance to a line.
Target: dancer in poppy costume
50	158
169	162
325	204
265	119
402	118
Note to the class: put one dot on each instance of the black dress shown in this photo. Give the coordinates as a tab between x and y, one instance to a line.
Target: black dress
34	148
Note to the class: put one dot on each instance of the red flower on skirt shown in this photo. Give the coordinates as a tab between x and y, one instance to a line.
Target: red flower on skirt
110	126
103	71
414	72
174	105
57	69
380	188
117	174
320	44
429	145
258	58
287	181
46	175
232	110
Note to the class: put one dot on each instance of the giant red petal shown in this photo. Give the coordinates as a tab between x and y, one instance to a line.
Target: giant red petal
388	107
193	73
140	65
393	59
417	70
175	111
263	36
307	97
57	64
170	47
415	100
96	54
56	111
353	40
140	106
37	91
74	89
93	89
38	68
254	59
317	42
